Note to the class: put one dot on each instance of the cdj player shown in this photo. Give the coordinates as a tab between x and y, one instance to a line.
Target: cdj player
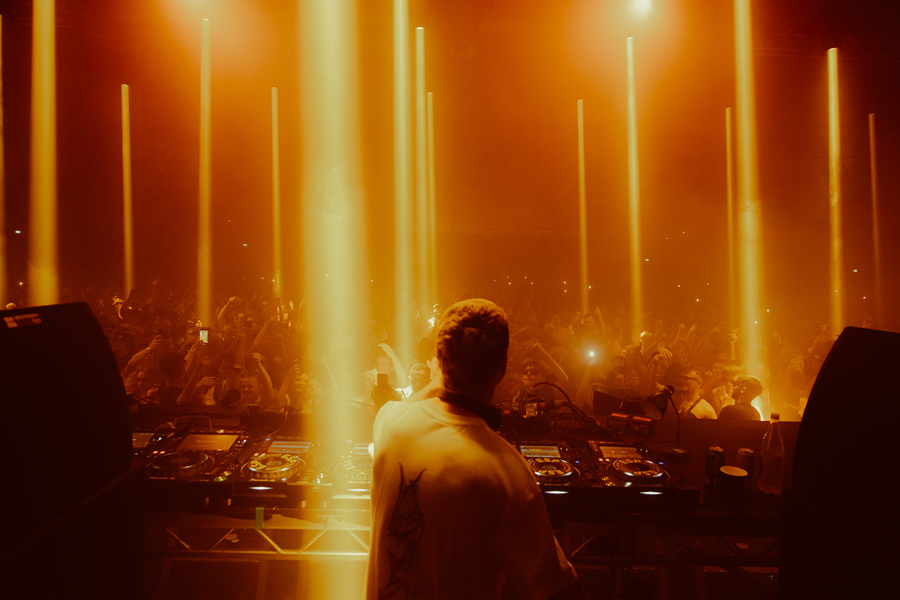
554	465
282	471
227	467
188	469
603	475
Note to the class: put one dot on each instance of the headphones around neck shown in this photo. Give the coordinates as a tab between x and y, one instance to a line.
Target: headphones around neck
489	414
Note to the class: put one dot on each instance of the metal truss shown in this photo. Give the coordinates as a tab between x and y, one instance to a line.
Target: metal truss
267	534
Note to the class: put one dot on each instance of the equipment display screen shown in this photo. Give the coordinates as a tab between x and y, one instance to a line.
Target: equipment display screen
139	439
207	441
540	451
289	447
617	452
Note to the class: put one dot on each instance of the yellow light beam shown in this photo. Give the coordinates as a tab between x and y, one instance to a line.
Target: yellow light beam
432	202
333	212
404	247
876	229
729	198
836	290
748	201
126	191
582	213
422	232
43	275
3	298
634	201
204	233
276	199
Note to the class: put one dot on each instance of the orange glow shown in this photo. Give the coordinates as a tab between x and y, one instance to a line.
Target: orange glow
642	8
241	30
597	28
834	189
126	191
204	229
42	262
748	198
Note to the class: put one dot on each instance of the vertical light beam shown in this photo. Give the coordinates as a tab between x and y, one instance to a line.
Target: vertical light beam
276	199
729	199
403	186
836	290
422	232
333	215
748	244
204	230
634	202
126	192
876	229
582	213
43	275
432	202
3	298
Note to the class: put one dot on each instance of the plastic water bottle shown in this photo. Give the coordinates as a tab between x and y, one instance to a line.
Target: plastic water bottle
772	455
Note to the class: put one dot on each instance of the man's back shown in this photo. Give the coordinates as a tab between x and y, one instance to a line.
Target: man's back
455	510
739	412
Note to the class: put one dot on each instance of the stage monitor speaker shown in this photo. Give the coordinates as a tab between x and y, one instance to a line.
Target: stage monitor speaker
65	418
840	521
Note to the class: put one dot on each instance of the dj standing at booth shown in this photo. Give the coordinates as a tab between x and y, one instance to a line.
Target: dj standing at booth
455	508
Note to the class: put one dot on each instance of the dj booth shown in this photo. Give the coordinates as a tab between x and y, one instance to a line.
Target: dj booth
247	505
221	488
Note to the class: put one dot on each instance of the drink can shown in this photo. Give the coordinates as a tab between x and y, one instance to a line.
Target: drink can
715	458
745	458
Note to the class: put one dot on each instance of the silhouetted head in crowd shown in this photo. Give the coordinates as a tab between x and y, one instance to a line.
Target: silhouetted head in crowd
249	387
645	340
368	384
746	389
384	364
419	376
693	379
144	383
314	392
533	371
588	326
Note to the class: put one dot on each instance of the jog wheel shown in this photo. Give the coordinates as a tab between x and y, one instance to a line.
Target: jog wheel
639	471
355	469
275	466
552	468
186	463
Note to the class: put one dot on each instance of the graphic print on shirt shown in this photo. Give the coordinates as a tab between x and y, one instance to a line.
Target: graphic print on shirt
402	542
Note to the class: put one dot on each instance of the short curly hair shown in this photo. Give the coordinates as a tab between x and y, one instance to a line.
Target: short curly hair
472	344
748	387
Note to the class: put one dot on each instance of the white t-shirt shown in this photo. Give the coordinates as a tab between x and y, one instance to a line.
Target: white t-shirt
455	510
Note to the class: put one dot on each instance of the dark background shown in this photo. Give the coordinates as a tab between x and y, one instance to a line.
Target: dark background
506	76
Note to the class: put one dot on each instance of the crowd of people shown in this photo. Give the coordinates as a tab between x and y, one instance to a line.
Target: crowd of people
257	355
